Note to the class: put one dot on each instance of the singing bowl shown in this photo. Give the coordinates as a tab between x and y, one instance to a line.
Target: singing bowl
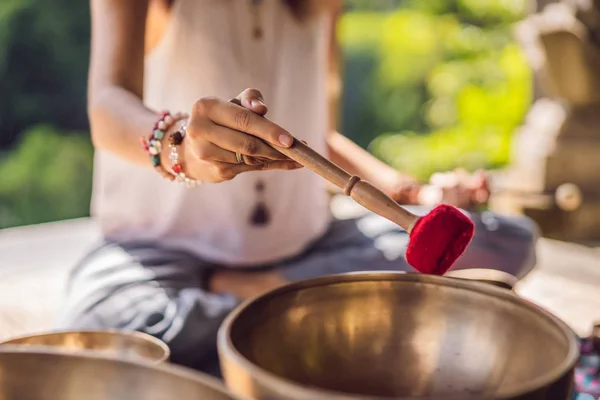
395	336
34	373
114	343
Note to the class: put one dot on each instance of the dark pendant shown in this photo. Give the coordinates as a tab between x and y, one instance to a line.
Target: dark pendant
260	215
257	31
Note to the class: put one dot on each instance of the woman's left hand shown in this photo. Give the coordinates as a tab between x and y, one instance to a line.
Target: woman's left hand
458	188
461	188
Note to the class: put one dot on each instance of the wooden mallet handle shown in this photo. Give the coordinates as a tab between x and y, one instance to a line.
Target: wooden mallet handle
436	240
362	192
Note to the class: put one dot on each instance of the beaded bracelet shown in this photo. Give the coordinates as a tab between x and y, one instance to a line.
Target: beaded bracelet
175	139
153	146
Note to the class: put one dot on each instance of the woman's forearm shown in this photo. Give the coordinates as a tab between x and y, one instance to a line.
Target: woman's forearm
116	111
118	119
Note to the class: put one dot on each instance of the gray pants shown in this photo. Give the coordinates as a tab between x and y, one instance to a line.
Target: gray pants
159	291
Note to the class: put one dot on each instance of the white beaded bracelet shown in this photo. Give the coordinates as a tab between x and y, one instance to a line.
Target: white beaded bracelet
175	139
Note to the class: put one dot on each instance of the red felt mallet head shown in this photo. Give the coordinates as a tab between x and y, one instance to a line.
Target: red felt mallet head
438	239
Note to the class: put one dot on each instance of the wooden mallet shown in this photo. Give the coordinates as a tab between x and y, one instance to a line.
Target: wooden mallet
436	239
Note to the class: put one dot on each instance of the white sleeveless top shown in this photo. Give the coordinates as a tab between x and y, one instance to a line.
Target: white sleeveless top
208	50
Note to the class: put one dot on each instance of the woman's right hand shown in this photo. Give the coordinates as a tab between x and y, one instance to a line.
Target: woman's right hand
218	129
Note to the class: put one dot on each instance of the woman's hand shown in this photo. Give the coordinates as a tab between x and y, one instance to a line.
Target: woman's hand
218	129
458	188
403	189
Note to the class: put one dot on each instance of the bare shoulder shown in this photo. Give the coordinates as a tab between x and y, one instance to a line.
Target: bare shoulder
118	36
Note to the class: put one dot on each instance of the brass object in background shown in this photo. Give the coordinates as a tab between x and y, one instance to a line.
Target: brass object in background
557	146
33	373
392	336
113	343
490	276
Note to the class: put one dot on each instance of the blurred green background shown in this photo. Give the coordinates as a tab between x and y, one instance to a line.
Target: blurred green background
429	85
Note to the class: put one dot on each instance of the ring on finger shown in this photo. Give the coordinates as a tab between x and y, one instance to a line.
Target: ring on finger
239	157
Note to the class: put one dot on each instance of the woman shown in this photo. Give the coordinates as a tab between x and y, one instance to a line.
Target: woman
177	259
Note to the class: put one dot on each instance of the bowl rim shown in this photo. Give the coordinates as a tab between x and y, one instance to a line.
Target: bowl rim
165	350
86	355
229	353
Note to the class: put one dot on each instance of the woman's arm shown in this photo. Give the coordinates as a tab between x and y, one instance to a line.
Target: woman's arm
117	114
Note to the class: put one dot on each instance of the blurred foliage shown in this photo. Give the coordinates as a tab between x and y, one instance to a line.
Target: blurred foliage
429	85
435	84
45	173
46	178
44	46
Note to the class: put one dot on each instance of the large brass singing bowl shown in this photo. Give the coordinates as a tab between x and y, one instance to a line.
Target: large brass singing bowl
114	343
31	373
393	336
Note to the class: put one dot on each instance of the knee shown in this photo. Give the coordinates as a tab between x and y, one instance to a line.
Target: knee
531	233
528	234
187	323
526	230
128	310
506	243
187	327
519	229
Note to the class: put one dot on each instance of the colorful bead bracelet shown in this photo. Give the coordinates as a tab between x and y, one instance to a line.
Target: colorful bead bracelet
153	146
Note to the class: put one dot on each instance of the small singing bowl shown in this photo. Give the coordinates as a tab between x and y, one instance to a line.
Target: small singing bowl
390	335
120	344
45	373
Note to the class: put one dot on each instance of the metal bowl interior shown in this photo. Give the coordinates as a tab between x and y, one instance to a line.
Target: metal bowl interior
390	335
114	343
34	373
